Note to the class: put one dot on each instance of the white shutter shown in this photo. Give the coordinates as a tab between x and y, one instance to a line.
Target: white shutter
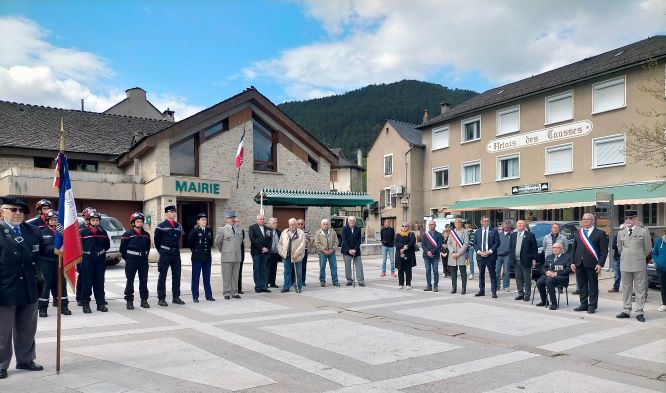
440	138
559	109
508	120
609	151
472	173
609	95
558	159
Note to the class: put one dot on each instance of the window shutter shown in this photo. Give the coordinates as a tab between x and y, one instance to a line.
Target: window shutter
609	152
440	138
609	96
509	121
559	160
560	109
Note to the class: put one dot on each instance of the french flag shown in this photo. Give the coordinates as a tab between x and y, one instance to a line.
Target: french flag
68	237
240	151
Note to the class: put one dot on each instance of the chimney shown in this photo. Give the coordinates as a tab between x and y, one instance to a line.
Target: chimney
445	107
136	93
426	116
82	105
168	114
359	157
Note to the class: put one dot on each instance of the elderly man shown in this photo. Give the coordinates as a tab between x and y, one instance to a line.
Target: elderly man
260	243
556	269
589	252
19	281
351	251
292	247
228	240
503	265
325	242
431	242
522	254
634	245
554	237
273	256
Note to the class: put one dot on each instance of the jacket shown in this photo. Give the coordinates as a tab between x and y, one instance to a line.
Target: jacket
135	245
200	242
323	242
659	253
351	241
167	237
505	243
428	246
228	241
297	245
19	270
582	256
95	244
410	253
493	242
633	249
454	247
562	267
46	254
387	236
528	251
548	244
258	239
38	222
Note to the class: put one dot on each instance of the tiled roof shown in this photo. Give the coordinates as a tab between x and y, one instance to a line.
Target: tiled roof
38	127
343	162
616	59
407	131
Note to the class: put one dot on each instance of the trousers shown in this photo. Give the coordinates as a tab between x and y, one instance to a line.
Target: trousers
199	268
166	261
93	279
634	282
18	324
132	267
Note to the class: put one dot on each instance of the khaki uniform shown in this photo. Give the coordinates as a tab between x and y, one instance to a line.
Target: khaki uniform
228	241
633	250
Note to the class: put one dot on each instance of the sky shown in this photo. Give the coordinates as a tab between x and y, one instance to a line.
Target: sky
189	55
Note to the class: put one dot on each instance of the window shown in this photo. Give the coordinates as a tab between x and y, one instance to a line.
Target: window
44	162
388	200
608	95
471	129
440	177
388	165
508	120
313	164
650	214
263	146
184	156
334	175
620	216
440	138
508	167
216	129
608	151
559	159
559	107
471	173
82	165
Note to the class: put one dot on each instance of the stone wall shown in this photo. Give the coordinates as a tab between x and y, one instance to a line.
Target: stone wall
7	162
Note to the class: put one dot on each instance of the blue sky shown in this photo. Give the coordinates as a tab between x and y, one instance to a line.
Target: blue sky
190	55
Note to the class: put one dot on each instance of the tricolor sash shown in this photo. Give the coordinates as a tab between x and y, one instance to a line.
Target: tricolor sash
430	239
588	243
457	239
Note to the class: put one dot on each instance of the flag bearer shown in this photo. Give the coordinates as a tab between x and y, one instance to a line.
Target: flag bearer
48	263
95	244
134	247
167	243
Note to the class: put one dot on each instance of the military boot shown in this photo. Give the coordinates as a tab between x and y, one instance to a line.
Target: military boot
86	308
42	310
64	310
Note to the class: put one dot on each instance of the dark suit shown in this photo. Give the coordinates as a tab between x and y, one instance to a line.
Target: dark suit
522	267
562	267
493	241
351	240
259	240
586	277
273	256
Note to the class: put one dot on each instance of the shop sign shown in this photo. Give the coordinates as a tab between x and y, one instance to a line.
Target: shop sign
529	188
547	135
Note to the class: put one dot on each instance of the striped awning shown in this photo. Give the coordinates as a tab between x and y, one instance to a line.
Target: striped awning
285	197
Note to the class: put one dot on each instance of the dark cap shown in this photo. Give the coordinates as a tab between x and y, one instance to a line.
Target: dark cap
16	202
630	213
201	215
170	208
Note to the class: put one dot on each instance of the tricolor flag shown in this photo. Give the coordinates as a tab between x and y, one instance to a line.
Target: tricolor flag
240	151
68	237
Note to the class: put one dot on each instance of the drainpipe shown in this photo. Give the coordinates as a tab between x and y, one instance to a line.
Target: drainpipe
404	192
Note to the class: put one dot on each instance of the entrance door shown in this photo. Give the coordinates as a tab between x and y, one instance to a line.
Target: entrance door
283	214
187	216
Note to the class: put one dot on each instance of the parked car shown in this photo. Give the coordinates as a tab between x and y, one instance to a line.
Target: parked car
338	223
440	222
542	228
115	230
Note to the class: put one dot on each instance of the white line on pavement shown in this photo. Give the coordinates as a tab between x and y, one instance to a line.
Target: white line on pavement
401	303
274	317
115	333
589	338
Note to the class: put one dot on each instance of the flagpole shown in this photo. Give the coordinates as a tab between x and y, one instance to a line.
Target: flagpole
241	164
59	290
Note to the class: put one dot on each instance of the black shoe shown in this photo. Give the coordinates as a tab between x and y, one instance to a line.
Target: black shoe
622	315
31	366
284	290
265	290
54	304
144	304
106	303
86	309
130	305
435	289
227	297
78	303
480	293
195	300
494	295
258	290
236	296
210	299
3	373
102	308
361	284
614	290
427	289
349	283
640	318
581	308
323	283
541	304
64	310
162	303
454	291
591	310
177	300
273	286
576	292
42	312
552	307
519	297
305	285
526	298
241	292
464	291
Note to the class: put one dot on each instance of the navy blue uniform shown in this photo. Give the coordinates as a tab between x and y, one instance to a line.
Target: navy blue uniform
48	264
38	222
167	243
134	247
200	242
93	266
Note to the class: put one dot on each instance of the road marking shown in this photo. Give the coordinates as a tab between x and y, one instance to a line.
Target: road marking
275	317
115	333
589	338
394	304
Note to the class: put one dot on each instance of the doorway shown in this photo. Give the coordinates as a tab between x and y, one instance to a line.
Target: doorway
283	214
187	216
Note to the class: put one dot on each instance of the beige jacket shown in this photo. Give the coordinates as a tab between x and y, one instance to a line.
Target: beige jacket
453	247
297	245
323	242
633	249
229	243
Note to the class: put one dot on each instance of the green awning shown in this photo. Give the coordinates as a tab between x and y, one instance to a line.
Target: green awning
627	194
282	197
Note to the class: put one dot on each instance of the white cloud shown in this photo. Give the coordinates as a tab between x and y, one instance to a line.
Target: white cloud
379	41
33	71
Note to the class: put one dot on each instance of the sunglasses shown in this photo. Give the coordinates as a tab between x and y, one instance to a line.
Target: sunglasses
405	226
14	209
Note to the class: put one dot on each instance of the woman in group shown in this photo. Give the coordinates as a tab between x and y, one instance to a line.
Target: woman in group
405	255
457	244
445	250
659	257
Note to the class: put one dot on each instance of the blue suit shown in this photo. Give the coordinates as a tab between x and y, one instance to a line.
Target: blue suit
431	263
492	243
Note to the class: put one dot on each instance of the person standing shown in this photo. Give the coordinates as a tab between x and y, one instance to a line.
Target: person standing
167	242
300	223
260	243
470	249
42	207
555	273
200	242
589	251
273	257
228	240
95	242
134	248
522	254
291	247
20	284
503	264
387	235
458	243
351	251
48	264
486	241
405	255
659	257
444	252
242	246
554	237
617	278
325	243
431	242
635	245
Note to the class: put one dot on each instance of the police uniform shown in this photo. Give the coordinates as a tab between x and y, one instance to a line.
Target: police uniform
19	281
167	243
95	243
200	242
48	264
134	248
561	265
228	240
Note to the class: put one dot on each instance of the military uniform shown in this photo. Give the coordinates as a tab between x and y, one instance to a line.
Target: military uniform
200	243
228	240
48	264
635	245
135	247
167	243
95	243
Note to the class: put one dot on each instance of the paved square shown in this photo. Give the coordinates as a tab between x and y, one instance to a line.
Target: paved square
79	320
226	307
570	382
496	319
356	295
362	342
653	352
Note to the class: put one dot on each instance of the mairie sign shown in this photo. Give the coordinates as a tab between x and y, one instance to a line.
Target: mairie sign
546	135
185	186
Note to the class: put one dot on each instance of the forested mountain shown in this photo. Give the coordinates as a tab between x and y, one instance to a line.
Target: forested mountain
351	120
